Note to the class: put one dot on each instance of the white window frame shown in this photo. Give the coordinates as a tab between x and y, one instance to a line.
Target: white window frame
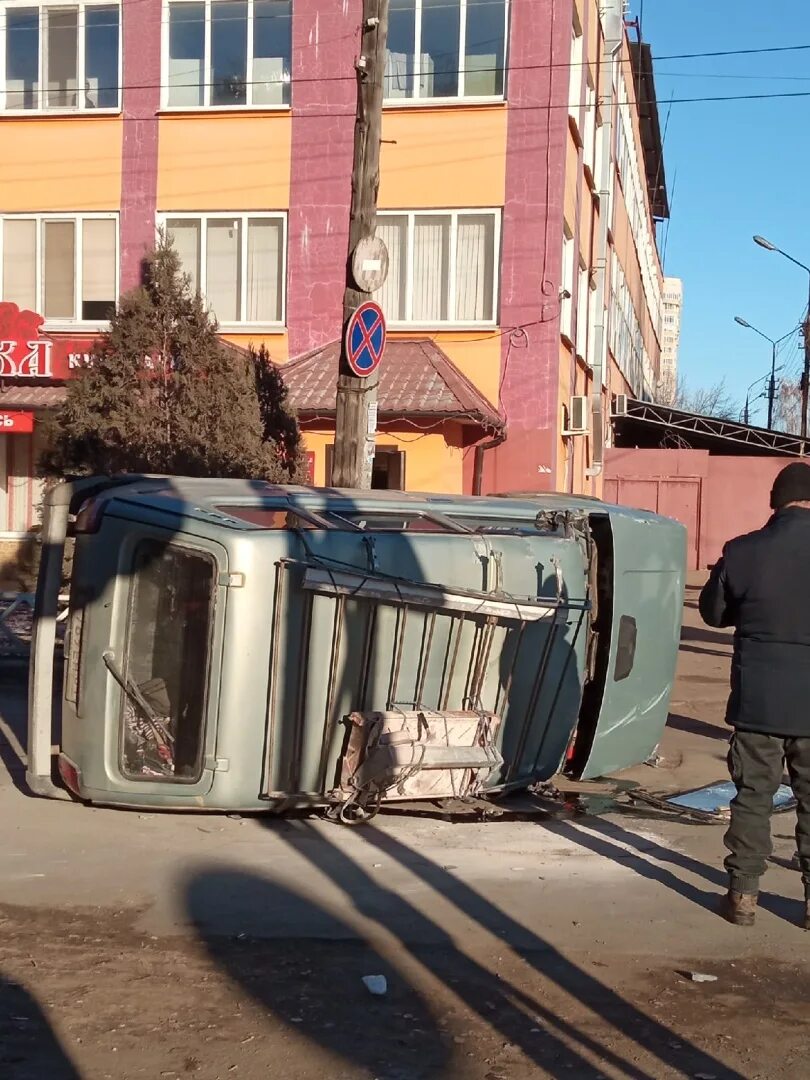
460	98
79	109
577	58
454	214
242	216
76	324
207	81
568	284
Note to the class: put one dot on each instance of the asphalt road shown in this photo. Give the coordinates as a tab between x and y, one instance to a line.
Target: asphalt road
149	945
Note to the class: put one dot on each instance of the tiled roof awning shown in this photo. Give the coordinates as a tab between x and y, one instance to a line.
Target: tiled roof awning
417	380
31	397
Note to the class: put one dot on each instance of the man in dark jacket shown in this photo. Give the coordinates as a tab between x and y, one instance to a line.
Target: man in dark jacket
761	587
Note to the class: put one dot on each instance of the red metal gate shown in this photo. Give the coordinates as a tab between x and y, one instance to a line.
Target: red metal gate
677	498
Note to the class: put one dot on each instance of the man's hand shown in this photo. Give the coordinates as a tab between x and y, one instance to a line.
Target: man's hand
716	603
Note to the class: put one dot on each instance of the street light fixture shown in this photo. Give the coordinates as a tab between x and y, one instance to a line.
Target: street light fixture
775	342
768	246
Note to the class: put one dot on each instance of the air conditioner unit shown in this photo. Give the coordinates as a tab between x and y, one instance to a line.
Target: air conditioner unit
620	405
577	419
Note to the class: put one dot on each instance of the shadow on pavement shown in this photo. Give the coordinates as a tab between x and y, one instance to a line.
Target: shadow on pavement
13	721
299	968
698	727
413	948
707	637
700	651
29	1050
642	855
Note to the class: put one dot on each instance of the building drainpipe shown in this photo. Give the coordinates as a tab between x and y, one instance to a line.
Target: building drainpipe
478	464
614	37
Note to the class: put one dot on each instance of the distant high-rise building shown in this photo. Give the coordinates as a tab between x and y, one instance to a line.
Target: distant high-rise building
671	334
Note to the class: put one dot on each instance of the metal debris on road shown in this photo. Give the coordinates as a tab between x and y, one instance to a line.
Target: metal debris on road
376	984
716	798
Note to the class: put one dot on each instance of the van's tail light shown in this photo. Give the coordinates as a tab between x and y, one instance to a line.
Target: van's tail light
88	517
71	777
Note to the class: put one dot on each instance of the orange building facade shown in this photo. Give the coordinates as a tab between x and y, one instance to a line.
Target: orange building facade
519	221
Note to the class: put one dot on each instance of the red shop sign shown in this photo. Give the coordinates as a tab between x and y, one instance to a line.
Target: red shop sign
16	423
25	353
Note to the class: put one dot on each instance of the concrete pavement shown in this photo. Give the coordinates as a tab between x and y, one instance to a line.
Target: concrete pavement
614	904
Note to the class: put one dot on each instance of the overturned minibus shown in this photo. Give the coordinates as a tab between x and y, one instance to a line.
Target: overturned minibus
234	645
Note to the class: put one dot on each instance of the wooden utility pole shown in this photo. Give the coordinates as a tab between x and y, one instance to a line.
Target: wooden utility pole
354	442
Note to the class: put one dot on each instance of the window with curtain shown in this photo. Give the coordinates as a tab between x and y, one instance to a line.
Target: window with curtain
236	261
567	284
228	53
63	266
440	49
583	293
61	57
443	266
393	230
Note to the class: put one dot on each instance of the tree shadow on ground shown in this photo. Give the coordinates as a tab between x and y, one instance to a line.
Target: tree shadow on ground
29	1050
412	943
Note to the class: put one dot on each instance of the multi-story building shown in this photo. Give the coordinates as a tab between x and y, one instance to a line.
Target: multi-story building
515	201
671	335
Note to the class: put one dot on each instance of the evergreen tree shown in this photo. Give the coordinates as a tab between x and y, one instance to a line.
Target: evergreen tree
163	394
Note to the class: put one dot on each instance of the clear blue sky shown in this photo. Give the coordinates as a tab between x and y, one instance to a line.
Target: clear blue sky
734	169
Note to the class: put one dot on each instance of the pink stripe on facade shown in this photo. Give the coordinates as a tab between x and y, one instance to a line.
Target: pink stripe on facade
139	148
324	47
540	35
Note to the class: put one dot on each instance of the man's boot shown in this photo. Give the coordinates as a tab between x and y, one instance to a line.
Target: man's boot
807	914
739	908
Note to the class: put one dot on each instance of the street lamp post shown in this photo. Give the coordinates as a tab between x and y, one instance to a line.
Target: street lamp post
775	342
763	243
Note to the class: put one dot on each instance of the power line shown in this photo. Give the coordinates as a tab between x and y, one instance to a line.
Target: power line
409	102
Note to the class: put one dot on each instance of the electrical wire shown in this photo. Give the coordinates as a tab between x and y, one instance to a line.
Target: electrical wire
430	103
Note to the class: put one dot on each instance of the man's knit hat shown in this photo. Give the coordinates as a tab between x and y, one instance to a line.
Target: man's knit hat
791	485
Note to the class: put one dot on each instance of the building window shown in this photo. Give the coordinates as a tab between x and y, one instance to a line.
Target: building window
589	127
227	54
583	306
62	266
443	266
236	261
568	285
575	74
60	57
445	49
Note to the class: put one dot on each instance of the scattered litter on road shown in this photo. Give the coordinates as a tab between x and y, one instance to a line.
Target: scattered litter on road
376	984
716	798
699	977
